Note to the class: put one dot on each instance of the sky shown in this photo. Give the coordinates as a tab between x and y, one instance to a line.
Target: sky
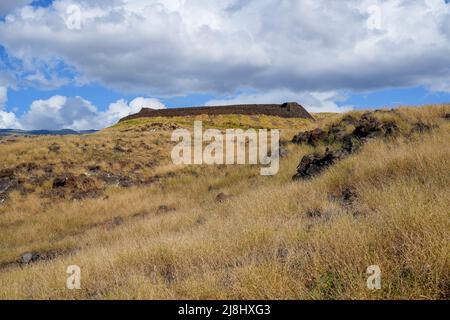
85	64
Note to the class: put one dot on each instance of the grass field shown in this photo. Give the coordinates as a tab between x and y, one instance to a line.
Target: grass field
168	238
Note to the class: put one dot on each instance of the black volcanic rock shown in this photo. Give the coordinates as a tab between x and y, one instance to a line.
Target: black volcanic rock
7	173
421	127
313	164
311	137
367	127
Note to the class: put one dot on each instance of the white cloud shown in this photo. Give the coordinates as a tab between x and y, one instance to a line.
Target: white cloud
60	112
122	108
183	46
3	97
8	120
138	103
76	113
300	50
312	101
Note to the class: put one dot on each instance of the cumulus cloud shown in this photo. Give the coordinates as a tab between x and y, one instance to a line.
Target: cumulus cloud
184	46
7	119
275	51
140	102
122	108
3	97
60	112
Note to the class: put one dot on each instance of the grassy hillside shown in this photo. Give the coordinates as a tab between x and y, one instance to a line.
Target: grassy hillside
141	228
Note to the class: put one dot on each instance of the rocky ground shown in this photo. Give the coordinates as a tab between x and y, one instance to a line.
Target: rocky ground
83	170
349	134
353	190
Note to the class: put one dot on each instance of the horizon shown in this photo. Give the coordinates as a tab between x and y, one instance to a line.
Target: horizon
99	129
86	64
197	106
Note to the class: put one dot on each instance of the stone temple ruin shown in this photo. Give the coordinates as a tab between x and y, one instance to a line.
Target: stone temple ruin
285	110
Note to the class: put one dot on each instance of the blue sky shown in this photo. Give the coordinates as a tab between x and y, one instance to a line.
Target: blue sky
101	96
83	64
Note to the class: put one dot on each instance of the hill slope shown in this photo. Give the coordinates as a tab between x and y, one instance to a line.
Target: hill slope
140	227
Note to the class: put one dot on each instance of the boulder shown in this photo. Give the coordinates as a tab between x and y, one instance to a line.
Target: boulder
94	168
300	138
390	129
165	209
64	180
348	120
54	147
336	133
348	195
29	257
314	213
368	127
8	184
311	137
121	149
316	136
126	182
310	165
350	145
32	257
313	164
222	197
7	173
421	127
3	197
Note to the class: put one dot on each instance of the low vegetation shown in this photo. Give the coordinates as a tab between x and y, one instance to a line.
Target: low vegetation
140	227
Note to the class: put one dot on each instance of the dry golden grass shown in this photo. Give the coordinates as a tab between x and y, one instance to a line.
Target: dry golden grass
261	244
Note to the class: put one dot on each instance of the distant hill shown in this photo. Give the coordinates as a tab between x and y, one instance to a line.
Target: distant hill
62	132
